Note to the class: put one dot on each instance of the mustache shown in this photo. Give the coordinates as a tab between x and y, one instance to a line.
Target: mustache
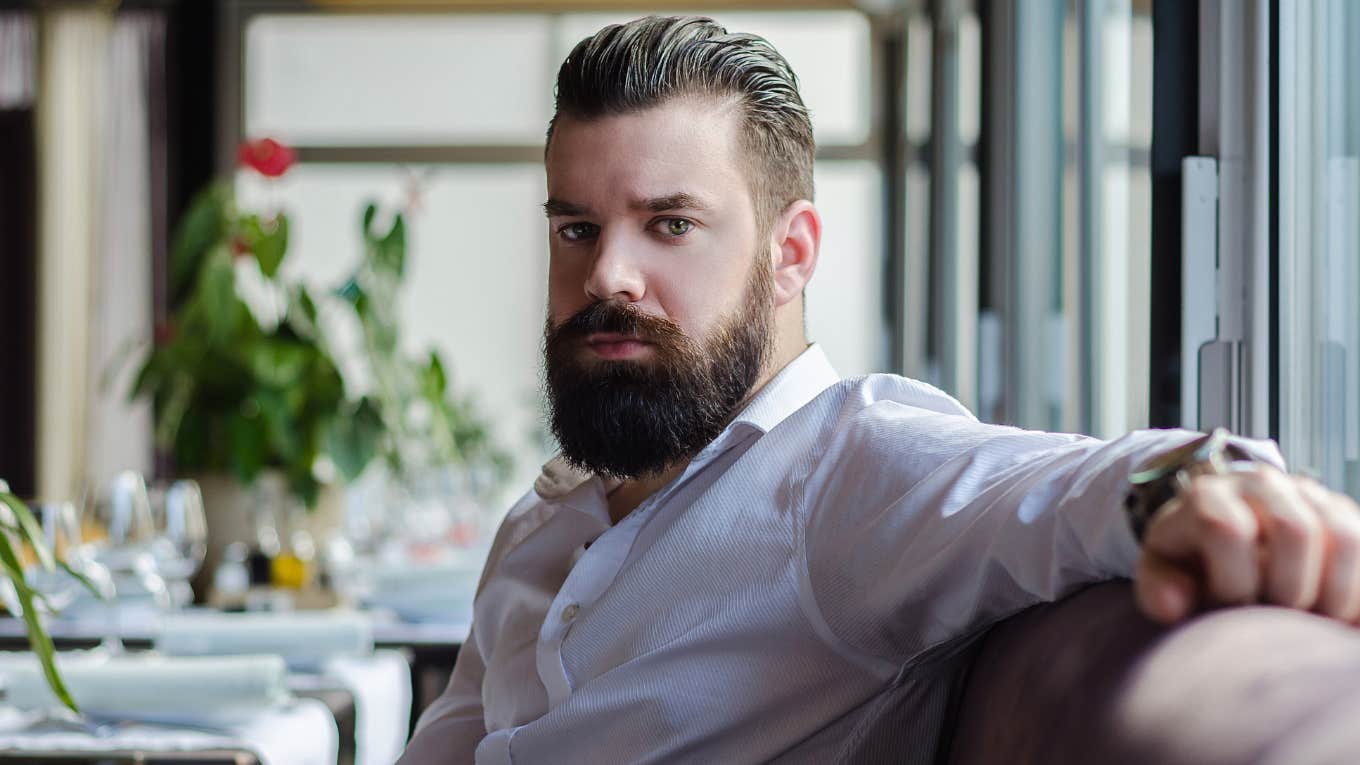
620	318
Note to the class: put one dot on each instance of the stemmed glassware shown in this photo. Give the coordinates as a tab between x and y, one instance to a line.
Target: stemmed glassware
181	537
58	589
121	529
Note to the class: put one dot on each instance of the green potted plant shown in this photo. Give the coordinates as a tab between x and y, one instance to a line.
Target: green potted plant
238	399
231	393
247	404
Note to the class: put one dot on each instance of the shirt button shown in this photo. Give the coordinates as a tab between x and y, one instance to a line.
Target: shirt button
570	612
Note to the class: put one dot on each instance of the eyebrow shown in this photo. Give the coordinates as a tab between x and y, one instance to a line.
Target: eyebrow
678	201
557	207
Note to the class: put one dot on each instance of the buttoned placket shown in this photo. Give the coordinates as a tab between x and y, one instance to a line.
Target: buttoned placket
595	569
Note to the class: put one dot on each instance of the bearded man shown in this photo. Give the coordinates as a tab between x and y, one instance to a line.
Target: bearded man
738	556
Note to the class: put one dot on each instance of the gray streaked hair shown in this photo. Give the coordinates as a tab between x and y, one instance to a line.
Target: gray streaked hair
635	66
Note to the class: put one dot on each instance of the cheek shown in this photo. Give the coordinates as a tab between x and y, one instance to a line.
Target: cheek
566	286
698	295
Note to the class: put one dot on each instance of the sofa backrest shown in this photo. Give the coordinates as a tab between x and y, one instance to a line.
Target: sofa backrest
1090	680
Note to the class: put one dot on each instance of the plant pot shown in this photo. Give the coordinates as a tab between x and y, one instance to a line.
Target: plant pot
233	511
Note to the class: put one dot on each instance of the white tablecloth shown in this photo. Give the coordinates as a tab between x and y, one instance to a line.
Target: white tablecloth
302	733
381	684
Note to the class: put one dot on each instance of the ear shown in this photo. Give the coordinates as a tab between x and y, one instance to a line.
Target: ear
795	242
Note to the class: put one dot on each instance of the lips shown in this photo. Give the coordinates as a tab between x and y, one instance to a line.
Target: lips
613	346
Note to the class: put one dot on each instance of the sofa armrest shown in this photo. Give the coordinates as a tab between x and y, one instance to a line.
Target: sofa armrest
1090	680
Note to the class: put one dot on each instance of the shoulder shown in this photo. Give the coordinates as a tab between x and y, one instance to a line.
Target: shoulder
885	433
526	515
881	412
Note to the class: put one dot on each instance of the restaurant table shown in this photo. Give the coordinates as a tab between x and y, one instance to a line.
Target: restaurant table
133	757
302	732
341	703
430	649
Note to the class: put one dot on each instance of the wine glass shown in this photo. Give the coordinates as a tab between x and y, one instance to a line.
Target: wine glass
181	541
61	590
121	530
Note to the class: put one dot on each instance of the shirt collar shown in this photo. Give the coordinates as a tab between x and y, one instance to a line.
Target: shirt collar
800	381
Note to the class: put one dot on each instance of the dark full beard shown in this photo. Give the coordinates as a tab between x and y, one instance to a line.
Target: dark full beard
628	419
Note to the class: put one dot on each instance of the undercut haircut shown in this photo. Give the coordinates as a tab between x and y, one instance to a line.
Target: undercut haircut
647	62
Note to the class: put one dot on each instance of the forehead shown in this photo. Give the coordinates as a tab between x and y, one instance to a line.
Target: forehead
683	145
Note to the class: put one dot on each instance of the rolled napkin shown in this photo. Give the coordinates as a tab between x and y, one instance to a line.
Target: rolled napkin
148	686
304	640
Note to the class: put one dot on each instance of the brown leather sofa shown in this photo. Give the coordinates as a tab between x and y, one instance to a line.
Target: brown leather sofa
1089	680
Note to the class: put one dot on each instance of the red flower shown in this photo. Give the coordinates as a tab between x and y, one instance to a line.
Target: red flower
164	333
239	246
267	157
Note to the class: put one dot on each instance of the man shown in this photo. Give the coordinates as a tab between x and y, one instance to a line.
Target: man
738	556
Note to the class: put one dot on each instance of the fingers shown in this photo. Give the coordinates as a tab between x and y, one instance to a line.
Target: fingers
1248	536
1164	590
1211	523
1294	537
1340	590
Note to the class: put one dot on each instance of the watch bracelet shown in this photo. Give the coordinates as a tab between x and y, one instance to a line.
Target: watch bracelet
1210	454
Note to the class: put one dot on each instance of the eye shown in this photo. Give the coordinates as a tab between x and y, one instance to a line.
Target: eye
578	231
676	226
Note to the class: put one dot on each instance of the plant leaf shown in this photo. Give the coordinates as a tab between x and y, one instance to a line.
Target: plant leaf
28	528
269	241
393	247
370	212
203	227
214	300
247	439
436	379
85	580
351	441
350	291
38	639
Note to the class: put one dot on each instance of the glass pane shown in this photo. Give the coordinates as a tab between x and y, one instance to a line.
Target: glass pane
918	76
828	50
18	60
845	297
326	80
1320	240
917	281
1122	222
475	286
970	78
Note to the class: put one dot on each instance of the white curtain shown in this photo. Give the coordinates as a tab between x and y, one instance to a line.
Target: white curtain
120	433
94	266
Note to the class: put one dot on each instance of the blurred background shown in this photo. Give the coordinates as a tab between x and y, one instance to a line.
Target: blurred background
1002	185
272	272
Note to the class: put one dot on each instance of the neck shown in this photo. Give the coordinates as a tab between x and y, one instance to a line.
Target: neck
631	493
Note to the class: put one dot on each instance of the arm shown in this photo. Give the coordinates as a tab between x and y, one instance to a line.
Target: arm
450	728
923	526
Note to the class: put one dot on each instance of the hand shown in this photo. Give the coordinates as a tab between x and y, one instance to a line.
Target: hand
1246	537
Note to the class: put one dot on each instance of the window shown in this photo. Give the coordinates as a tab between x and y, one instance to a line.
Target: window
1319	239
1040	211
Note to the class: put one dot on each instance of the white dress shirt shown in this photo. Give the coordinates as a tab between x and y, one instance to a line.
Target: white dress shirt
763	605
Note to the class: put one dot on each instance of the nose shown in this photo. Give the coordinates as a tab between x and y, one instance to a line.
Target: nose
615	273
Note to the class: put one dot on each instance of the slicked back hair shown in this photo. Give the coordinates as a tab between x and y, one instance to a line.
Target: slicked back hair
644	63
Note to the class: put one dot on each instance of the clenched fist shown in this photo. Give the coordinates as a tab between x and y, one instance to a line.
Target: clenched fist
1253	536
